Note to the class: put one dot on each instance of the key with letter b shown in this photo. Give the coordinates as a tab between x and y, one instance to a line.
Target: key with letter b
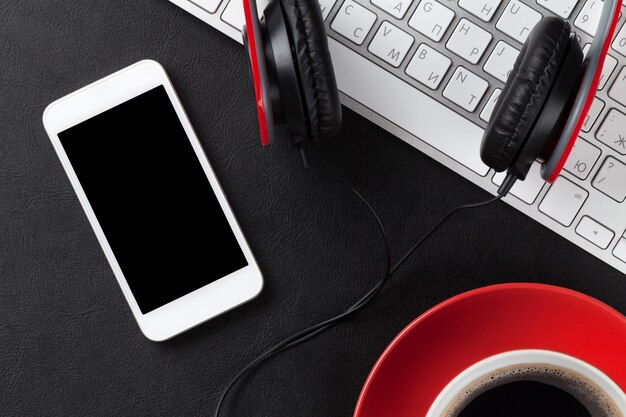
428	66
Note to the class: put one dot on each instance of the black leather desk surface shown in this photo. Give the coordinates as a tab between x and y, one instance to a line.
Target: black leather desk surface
68	342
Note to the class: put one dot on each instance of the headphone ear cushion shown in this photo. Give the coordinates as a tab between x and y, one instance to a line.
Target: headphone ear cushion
525	93
317	77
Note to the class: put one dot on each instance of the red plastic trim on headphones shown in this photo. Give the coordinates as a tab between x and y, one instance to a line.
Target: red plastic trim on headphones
590	97
256	73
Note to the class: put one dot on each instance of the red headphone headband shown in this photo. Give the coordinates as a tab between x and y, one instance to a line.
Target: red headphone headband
258	67
595	62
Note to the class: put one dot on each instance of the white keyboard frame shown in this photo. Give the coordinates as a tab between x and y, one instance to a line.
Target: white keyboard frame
596	200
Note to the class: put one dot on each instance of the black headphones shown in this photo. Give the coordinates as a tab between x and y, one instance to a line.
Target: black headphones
537	117
299	79
536	101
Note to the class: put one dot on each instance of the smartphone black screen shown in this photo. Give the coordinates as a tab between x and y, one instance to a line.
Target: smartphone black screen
152	199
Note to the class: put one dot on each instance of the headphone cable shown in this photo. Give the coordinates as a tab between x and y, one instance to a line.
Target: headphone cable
314	330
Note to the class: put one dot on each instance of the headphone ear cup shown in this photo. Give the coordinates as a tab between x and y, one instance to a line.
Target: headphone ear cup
283	74
525	93
318	87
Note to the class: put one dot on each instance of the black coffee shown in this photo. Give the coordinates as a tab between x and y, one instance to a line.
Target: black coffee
533	390
525	399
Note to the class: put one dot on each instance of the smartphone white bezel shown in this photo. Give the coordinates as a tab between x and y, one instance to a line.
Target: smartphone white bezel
198	306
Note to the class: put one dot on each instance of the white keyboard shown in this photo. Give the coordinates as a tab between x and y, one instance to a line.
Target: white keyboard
431	71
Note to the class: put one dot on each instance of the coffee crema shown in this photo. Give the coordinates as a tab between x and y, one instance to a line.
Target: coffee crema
590	395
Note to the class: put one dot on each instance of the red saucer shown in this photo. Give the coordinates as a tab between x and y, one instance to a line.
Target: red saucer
468	328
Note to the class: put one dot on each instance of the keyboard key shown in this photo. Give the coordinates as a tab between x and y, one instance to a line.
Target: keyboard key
612	132
619	43
491	104
607	69
428	66
594	232
518	20
526	190
396	8
582	159
620	250
353	21
391	44
431	19
609	66
618	90
209	5
469	41
563	201
589	16
610	179
561	8
233	13
501	61
398	102
326	6
592	115
482	9
465	89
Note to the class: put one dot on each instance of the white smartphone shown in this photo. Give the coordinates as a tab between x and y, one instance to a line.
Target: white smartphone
153	200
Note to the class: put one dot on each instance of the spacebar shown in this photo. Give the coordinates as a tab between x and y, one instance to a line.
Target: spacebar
407	107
